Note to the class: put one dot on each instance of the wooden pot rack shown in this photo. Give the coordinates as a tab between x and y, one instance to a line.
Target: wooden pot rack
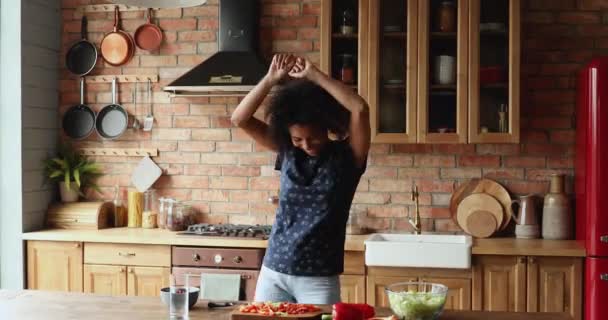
128	152
122	78
109	8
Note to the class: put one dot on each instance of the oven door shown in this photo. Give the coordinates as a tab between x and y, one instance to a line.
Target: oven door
249	278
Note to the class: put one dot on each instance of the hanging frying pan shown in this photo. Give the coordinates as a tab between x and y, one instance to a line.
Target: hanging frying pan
82	56
79	121
148	36
117	47
112	120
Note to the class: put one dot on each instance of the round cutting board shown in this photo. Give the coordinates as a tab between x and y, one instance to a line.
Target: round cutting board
478	202
481	224
489	187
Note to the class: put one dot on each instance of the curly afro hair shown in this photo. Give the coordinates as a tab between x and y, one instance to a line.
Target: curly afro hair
305	103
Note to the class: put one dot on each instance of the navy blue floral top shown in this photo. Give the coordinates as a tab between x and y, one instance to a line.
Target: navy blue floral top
308	234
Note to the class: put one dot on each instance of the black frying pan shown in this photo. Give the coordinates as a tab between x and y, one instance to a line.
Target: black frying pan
79	120
112	120
82	56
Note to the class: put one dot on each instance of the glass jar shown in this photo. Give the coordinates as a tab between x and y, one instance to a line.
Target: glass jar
120	212
136	208
175	216
347	71
348	22
162	213
150	214
446	17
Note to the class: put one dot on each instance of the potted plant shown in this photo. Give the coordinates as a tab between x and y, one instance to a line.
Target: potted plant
74	172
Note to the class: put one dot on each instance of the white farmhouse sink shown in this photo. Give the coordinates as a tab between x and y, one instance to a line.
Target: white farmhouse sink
423	251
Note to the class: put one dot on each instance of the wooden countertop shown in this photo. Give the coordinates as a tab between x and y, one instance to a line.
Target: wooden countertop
493	246
35	305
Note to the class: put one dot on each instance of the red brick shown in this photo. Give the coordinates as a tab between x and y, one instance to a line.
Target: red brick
210	195
385	185
179	157
232	207
538	17
167	13
446	225
363	185
191	122
230	183
434	161
218	158
292	46
503	173
211	134
178	24
560	162
311	8
208	24
197	146
241	171
544	174
205	11
552	123
479	161
233	146
190	60
160	145
256	159
424	199
263	208
411	173
534	136
435	186
371	198
276	9
221	122
264	183
158	61
301	21
247	219
171	134
405	226
525	162
112	180
249	196
460	173
527	187
378	148
548	149
563	136
498	149
196	36
202	170
412	148
205	109
434	212
386	212
189	182
455	148
281	34
308	33
380	172
391	160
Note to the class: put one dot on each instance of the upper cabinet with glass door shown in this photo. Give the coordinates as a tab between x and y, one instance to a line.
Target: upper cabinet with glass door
442	74
494	71
344	42
392	70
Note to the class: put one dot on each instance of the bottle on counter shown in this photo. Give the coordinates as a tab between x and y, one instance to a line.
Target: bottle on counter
557	220
120	216
175	216
162	213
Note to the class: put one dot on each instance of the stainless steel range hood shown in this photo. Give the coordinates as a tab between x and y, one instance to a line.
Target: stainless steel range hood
236	68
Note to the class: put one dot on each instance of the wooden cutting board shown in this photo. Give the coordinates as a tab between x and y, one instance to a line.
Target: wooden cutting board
237	315
471	208
488	186
481	224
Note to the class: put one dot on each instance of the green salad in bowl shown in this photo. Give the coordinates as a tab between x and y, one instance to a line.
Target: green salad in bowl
417	300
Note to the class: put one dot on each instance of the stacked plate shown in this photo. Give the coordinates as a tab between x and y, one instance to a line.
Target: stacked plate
481	207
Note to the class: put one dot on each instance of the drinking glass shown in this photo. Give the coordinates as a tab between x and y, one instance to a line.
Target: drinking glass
178	300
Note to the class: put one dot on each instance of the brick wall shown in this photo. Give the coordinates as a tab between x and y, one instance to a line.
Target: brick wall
228	177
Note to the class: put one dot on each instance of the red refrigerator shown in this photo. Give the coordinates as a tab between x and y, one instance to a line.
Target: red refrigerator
591	184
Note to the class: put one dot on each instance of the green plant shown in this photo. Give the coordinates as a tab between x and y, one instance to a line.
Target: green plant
70	166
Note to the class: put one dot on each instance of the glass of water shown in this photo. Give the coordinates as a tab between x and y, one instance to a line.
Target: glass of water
178	299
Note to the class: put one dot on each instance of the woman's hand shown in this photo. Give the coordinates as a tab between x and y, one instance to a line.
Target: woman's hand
303	68
280	66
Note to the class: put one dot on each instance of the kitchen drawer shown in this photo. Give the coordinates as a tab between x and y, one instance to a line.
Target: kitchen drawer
127	254
218	257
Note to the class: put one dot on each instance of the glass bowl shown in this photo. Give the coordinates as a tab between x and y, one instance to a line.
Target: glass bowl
417	300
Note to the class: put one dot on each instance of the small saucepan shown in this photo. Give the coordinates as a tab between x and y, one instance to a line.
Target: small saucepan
79	120
148	36
82	56
112	120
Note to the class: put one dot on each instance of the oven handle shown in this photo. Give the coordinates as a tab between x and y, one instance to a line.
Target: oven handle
243	276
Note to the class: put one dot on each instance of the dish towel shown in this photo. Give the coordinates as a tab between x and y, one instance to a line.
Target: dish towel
223	287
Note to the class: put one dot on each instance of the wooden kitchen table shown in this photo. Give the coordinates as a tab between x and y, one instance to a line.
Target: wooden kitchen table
42	305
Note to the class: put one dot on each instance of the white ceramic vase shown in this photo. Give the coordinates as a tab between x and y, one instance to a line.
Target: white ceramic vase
68	195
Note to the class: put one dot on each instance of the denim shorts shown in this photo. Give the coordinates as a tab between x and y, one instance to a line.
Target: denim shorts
275	286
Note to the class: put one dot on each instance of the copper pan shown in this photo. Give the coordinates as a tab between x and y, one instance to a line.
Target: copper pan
117	47
148	36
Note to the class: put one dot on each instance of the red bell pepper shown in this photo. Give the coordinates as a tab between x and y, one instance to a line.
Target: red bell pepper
352	311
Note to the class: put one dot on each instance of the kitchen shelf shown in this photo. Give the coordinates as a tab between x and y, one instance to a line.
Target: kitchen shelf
397	35
353	36
443	35
503	85
494	33
393	86
109	8
443	87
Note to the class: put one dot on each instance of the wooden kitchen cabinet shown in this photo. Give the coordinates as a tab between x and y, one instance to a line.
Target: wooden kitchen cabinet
555	285
494	68
105	280
54	266
400	51
459	292
352	288
499	283
376	285
147	281
528	284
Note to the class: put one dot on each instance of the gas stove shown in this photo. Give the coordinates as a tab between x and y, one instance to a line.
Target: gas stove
229	230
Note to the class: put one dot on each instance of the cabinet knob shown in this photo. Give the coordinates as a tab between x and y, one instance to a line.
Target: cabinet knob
237	259
77	245
126	254
196	257
532	260
122	270
522	259
131	271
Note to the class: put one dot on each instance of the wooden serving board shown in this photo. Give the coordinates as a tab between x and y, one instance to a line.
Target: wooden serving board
238	315
488	186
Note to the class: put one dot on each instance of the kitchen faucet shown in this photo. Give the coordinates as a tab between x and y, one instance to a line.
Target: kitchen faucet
416	223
